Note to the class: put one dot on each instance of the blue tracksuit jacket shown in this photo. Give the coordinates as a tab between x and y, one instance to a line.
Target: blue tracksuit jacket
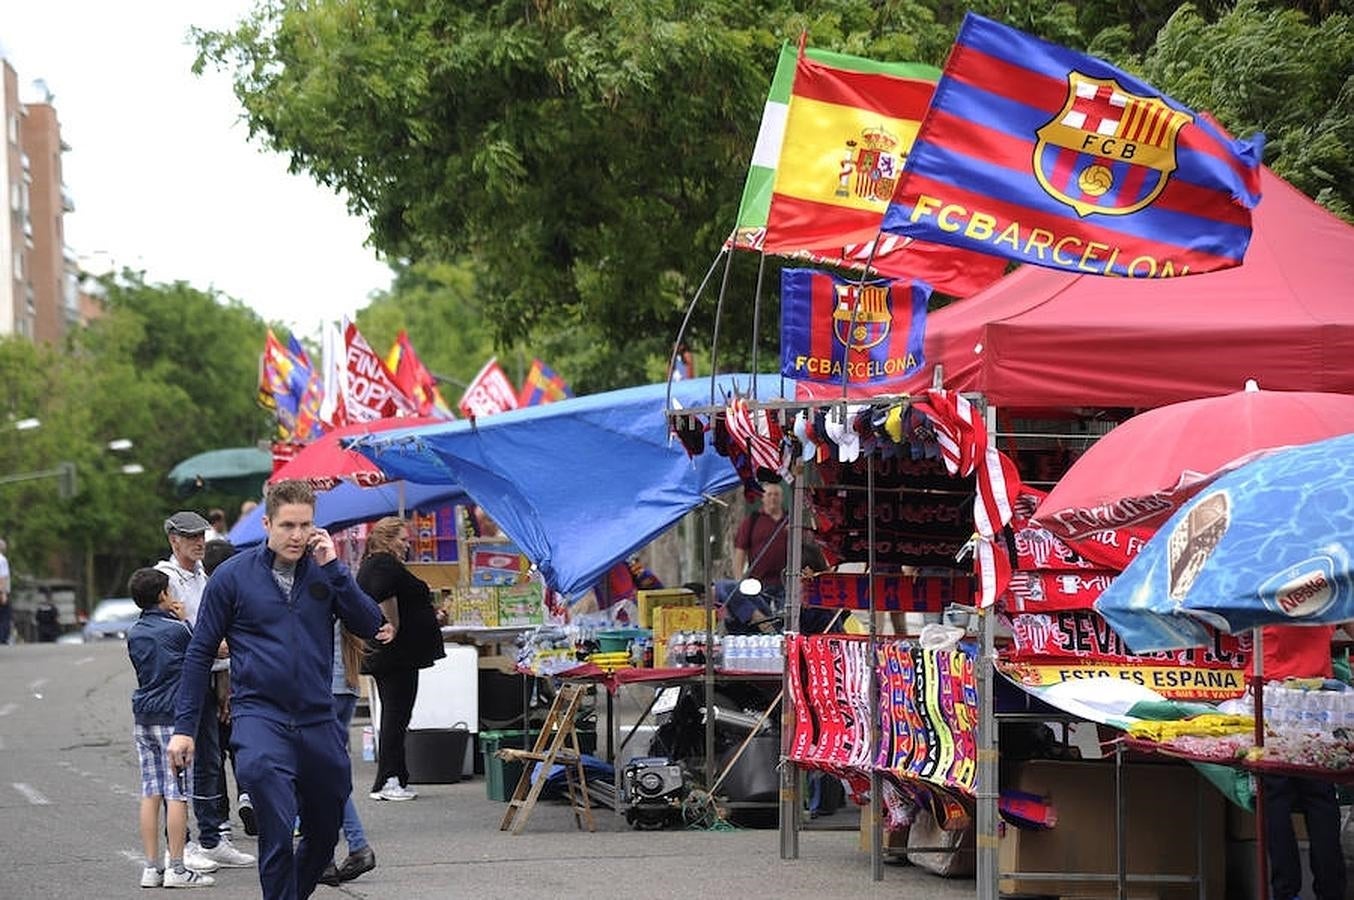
281	648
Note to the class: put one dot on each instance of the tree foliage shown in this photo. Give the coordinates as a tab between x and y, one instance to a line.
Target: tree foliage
168	367
588	155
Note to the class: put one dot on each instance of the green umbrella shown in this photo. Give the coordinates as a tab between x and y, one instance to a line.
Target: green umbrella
233	470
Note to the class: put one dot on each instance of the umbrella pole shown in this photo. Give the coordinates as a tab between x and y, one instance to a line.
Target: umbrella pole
1258	698
400	487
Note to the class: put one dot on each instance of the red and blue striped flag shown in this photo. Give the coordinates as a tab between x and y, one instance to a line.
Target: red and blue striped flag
882	322
1047	156
542	385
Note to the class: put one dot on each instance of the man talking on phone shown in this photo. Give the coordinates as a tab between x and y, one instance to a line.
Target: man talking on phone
275	605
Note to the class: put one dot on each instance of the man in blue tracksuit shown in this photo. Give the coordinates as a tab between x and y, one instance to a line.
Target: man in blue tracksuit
275	605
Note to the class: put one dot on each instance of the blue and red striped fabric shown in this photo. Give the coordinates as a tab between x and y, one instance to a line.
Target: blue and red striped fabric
1047	156
818	311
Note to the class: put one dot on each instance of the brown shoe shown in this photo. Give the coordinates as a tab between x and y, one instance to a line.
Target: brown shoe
359	861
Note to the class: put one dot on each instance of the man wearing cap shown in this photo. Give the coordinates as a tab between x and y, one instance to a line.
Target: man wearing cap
276	605
187	534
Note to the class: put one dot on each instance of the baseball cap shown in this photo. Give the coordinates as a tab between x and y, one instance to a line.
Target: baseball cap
186	522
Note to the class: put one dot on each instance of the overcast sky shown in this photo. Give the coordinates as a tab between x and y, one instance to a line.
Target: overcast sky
161	173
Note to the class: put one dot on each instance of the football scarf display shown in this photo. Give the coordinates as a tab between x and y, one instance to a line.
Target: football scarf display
928	720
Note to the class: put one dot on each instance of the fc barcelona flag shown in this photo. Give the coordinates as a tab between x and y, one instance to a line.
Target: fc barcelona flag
541	386
1047	156
833	327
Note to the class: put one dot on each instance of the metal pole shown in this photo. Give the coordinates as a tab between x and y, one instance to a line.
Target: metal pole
876	780
987	788
1120	825
757	319
709	650
789	773
1258	696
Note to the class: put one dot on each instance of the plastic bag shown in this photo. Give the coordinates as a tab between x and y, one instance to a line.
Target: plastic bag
940	637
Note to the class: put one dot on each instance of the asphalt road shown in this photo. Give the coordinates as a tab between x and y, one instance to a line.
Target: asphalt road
69	790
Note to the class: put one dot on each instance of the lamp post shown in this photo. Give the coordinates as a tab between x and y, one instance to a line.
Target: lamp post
27	424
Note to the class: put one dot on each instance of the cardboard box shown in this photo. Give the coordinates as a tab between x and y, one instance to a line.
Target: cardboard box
1163	829
475	607
521	604
671	619
438	576
649	601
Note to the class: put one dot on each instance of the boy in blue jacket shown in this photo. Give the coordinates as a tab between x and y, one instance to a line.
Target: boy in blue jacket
275	605
156	643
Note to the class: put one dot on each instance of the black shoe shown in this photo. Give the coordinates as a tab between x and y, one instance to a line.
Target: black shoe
251	826
330	876
359	861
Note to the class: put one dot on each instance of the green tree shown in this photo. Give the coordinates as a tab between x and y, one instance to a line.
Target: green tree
588	157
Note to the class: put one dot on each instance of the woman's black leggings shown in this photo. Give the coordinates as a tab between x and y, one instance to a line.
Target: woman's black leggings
397	690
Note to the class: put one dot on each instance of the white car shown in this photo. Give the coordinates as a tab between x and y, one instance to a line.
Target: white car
111	619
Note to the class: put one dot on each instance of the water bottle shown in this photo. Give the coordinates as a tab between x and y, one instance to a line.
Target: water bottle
368	744
733	652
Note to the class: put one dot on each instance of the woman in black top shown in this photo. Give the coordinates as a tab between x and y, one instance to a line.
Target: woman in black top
407	604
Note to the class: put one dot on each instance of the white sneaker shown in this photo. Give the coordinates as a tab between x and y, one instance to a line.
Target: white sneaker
152	877
195	859
393	790
187	879
225	854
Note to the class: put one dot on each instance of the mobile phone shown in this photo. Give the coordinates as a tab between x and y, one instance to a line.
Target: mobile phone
181	777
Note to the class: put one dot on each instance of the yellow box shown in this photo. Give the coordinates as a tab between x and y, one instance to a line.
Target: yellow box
670	619
438	576
476	607
649	601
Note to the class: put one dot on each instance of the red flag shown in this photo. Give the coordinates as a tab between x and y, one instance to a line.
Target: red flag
371	392
489	392
414	379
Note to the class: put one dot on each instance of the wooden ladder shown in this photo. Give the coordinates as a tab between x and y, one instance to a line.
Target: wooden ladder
557	743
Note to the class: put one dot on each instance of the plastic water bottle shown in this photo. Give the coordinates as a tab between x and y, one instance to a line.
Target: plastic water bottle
734	653
368	744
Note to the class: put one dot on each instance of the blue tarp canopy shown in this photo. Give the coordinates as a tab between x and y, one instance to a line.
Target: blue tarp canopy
578	484
348	504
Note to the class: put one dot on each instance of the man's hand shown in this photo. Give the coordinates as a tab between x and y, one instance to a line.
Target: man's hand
180	752
385	634
322	547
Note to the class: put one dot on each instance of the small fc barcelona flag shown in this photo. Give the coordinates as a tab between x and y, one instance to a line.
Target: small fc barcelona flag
835	328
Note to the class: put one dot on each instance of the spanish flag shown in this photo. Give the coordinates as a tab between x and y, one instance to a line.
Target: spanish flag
835	132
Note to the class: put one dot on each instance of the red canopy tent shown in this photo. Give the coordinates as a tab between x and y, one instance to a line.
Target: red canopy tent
1043	338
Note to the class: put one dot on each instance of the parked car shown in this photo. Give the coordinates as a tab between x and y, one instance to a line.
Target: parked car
111	619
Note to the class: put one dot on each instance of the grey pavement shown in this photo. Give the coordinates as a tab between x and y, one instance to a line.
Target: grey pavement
68	800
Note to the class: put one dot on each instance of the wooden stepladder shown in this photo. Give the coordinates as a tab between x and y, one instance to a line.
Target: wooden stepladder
557	743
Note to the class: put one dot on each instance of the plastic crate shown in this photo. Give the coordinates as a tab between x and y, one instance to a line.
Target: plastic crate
501	775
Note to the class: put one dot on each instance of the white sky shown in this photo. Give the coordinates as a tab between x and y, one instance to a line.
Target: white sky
160	169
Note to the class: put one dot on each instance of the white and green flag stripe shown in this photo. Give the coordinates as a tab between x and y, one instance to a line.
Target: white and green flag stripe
756	202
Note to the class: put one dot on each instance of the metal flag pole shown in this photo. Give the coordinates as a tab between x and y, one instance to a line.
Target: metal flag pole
789	773
876	780
986	788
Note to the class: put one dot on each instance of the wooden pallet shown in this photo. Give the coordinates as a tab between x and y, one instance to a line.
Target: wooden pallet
557	743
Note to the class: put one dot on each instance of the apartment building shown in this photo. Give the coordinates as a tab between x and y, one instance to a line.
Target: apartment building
39	280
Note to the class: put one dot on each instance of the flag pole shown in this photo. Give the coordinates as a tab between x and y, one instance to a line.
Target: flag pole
714	334
757	318
686	320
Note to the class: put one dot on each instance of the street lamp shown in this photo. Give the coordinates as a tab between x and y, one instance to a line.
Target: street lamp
133	469
27	424
120	444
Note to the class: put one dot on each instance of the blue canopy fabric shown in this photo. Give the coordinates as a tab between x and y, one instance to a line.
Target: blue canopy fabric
579	484
349	504
1266	544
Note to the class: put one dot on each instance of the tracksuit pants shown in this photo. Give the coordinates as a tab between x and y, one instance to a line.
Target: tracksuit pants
290	770
1285	795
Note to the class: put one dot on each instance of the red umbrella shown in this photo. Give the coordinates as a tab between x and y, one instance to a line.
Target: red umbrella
1146	468
324	462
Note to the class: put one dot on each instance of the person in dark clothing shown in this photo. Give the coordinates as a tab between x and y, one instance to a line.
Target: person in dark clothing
408	606
275	605
1301	651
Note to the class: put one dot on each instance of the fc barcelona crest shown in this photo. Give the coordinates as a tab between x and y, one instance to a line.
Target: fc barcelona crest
869	325
1107	151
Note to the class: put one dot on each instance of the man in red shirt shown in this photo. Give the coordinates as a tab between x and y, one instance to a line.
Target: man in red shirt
1301	651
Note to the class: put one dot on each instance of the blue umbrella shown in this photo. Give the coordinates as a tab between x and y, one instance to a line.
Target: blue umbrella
348	504
1265	544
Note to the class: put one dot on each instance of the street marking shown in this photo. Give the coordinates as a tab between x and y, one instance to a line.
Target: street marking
36	683
31	794
84	659
8	708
